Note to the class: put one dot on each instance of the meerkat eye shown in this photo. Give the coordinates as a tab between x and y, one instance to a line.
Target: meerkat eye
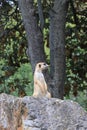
39	65
44	64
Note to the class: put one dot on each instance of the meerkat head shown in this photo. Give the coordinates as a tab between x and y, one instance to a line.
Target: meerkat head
41	66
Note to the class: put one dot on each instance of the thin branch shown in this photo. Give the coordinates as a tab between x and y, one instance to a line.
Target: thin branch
40	12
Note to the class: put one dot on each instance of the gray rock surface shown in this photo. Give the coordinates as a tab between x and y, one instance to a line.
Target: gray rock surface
31	113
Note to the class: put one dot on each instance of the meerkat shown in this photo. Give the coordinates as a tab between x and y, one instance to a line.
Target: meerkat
40	86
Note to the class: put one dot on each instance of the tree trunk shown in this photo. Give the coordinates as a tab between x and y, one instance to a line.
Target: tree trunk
57	47
34	35
57	41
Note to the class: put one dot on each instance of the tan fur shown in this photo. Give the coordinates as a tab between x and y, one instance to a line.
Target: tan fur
40	86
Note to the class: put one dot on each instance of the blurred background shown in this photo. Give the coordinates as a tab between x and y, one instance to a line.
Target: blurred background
16	76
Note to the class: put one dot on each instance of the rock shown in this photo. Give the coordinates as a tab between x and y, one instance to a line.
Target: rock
31	113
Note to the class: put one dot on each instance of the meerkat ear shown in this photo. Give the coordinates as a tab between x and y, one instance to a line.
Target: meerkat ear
39	65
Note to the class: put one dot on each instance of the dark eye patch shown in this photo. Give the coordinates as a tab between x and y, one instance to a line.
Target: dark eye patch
39	65
44	64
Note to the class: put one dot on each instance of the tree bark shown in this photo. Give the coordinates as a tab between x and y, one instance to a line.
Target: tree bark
57	47
57	42
33	31
40	11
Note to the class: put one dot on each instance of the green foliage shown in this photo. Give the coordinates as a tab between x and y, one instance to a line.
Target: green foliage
76	55
15	71
81	98
20	83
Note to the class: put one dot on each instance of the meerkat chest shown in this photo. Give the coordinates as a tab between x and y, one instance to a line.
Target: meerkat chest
39	80
39	76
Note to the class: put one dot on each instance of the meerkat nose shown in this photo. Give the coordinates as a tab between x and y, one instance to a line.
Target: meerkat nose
48	65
